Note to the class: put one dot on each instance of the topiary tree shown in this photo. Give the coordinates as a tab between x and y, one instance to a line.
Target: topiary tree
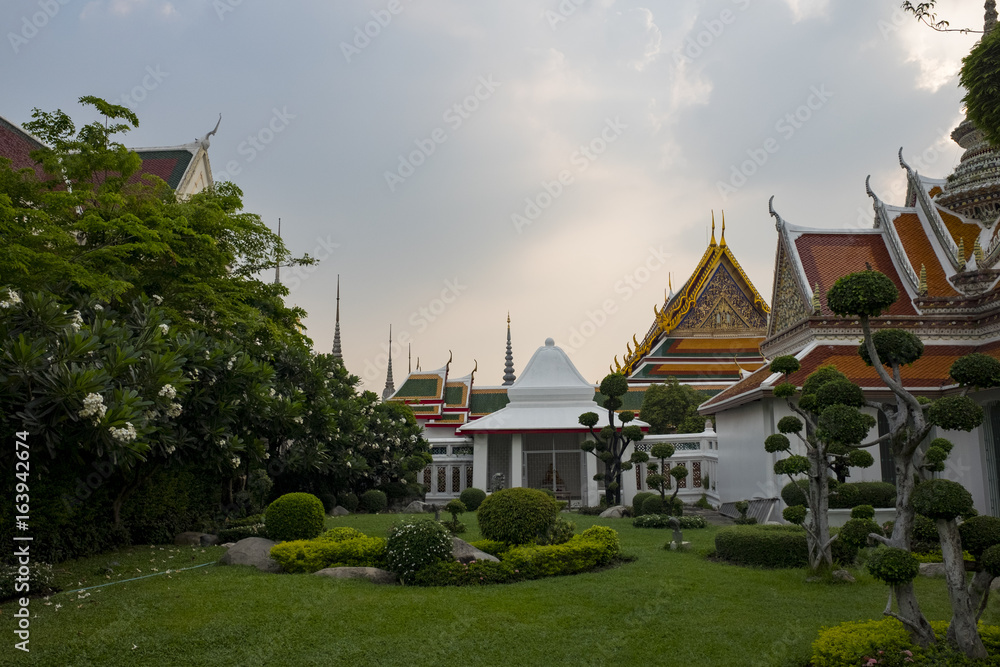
611	443
868	294
517	516
455	507
472	498
374	501
294	516
661	480
830	426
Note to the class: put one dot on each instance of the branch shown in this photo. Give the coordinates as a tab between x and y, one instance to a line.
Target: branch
896	387
879	538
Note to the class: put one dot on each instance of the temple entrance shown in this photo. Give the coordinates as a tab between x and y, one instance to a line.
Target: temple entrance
555	462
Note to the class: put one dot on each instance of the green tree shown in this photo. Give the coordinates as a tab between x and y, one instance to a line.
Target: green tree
672	407
868	294
660	473
611	443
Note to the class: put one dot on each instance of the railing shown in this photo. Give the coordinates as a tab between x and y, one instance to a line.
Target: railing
449	473
698	452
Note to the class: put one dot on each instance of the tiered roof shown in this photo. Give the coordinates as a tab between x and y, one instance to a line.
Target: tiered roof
707	334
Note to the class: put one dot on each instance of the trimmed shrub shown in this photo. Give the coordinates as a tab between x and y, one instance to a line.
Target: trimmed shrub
561	531
853	642
663	521
795	514
341	533
653	505
329	502
863	512
252	520
472	498
941	499
374	501
853	536
893	566
492	547
979	534
415	545
794	493
478	573
763	546
924	533
294	516
238	533
304	556
637	501
590	549
516	516
348	501
876	494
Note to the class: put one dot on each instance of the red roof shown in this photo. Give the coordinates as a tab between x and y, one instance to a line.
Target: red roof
920	252
827	257
16	145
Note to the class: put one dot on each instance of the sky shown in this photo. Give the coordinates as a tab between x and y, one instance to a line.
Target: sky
559	160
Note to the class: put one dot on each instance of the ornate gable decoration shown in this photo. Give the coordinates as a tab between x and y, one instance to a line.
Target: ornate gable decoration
722	305
789	306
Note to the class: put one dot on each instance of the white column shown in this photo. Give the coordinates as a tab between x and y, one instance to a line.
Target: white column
593	496
480	453
515	461
629	488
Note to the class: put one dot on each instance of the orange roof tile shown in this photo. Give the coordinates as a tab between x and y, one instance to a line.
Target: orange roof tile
919	250
930	370
827	257
959	230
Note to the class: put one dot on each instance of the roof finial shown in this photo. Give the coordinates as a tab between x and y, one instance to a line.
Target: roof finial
472	377
418	364
409	359
712	243
778	222
670	284
961	253
447	366
337	353
815	298
977	252
722	239
990	18
204	142
508	366
922	287
390	389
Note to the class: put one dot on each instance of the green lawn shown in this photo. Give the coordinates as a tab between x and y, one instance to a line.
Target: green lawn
665	608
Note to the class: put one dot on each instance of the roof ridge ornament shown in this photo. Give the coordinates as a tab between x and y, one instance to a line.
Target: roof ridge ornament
902	162
722	239
778	222
205	141
712	244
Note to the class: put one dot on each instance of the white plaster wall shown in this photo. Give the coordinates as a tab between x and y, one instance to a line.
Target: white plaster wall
745	469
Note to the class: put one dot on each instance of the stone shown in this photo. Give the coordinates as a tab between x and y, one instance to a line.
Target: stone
372	574
191	539
843	575
255	551
466	553
932	569
683	546
416	507
615	512
228	544
339	511
209	540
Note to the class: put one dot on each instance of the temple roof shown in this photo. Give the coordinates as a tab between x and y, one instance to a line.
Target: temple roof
717	317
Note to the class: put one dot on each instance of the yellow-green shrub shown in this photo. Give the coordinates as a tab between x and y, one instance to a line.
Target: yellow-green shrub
341	533
583	552
311	555
850	643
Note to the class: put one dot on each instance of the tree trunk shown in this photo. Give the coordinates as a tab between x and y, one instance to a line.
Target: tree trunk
916	624
820	553
962	632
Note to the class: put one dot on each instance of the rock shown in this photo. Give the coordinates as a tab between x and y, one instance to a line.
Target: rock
372	574
615	512
254	551
228	544
416	507
932	569
191	538
339	511
466	553
683	546
843	575
209	540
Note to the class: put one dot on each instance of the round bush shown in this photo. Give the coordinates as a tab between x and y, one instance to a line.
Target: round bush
790	424
979	534
413	546
976	370
862	293
516	516
653	505
472	498
294	516
893	566
776	442
637	501
852	494
763	546
341	534
990	560
863	512
893	346
794	493
374	501
924	530
941	499
348	501
955	413
854	533
795	514
455	506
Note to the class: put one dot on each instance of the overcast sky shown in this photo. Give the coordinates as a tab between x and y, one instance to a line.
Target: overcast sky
454	161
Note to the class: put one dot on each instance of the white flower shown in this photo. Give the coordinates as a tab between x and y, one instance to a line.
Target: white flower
271	392
125	434
235	461
267	455
98	307
93	407
77	320
157	299
174	410
164	329
348	464
221	443
168	391
170	449
229	364
13	298
297	420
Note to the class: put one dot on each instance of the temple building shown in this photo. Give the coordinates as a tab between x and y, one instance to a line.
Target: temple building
707	334
941	248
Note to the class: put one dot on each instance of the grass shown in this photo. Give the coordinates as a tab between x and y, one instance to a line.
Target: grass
665	608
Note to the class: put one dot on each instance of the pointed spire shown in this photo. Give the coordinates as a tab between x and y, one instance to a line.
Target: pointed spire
977	252
418	364
390	389
712	243
277	264
922	287
961	253
409	359
337	353
670	285
508	367
722	239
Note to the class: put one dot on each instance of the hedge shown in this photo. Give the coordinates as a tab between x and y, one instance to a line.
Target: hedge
477	573
763	546
591	548
854	642
300	556
844	496
663	521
